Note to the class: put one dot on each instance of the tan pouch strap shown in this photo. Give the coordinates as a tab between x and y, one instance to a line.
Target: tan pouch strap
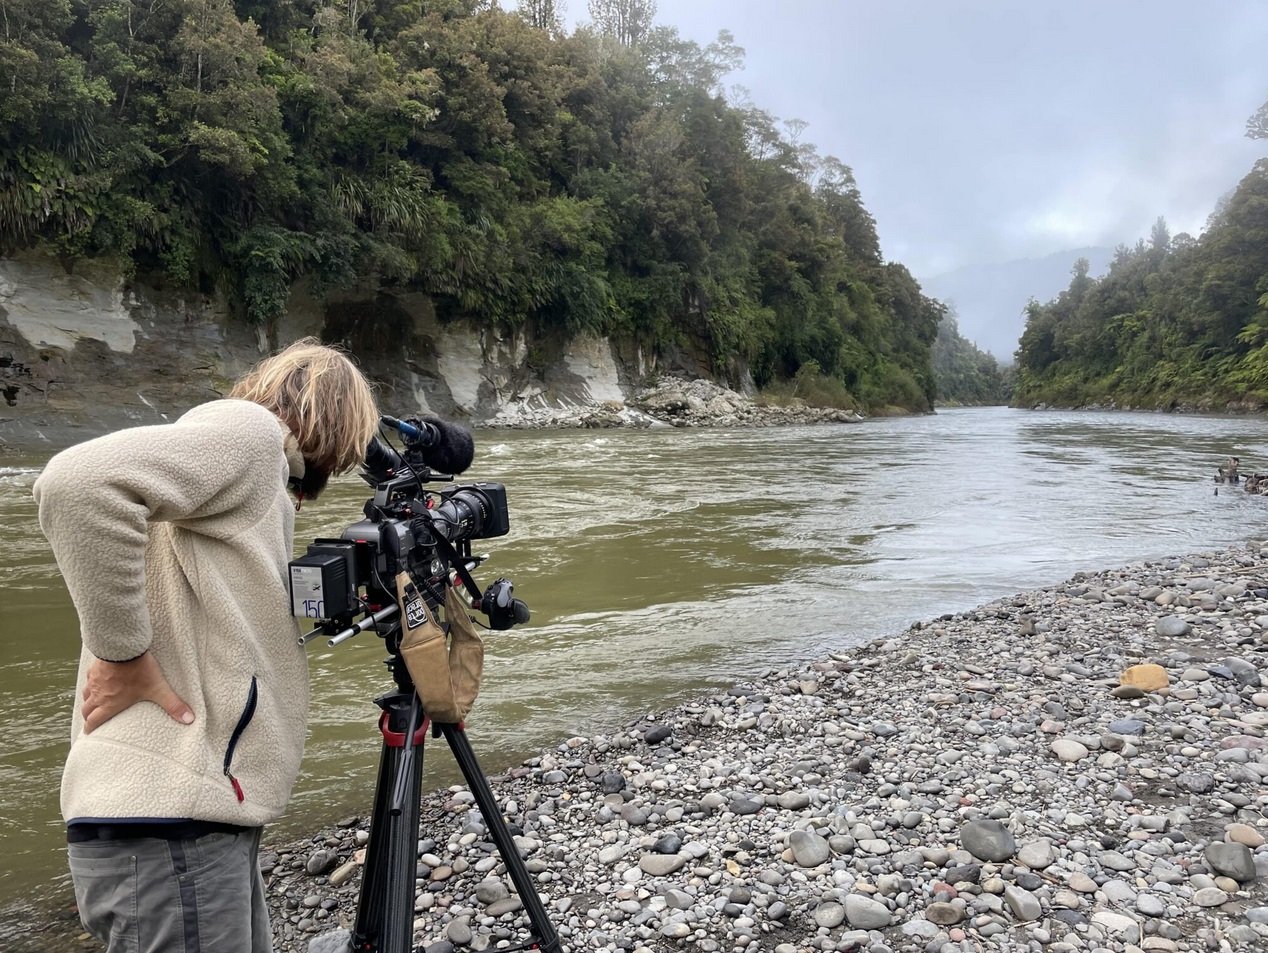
446	668
466	654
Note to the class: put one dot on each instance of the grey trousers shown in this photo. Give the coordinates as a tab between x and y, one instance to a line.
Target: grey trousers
150	895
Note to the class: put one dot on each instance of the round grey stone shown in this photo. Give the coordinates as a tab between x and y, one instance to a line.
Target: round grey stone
661	865
668	844
1199	782
830	914
336	941
1231	860
459	932
866	913
1023	903
1069	750
943	914
676	930
657	734
1150	906
1037	855
320	862
1210	897
794	800
1127	726
491	891
988	840
809	849
678	899
633	815
505	905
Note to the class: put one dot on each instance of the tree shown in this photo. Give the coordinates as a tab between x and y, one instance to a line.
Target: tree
1175	321
1159	241
1257	125
449	149
545	15
962	372
626	21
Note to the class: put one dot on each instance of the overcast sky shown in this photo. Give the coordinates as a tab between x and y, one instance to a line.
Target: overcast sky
987	131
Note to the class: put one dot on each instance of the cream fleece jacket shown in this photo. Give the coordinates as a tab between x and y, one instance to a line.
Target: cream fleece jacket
175	539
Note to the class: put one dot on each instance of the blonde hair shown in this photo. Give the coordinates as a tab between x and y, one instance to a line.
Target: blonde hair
321	396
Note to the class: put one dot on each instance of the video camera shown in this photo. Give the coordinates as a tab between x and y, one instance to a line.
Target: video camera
408	528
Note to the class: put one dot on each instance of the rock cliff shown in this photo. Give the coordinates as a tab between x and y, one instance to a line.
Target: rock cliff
83	351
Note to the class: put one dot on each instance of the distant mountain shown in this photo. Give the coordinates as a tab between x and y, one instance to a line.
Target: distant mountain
989	299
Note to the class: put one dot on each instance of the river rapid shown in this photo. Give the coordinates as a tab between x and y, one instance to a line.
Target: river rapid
664	564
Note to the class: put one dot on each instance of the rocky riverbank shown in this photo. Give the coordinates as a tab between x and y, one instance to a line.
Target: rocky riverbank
1082	767
671	402
674	402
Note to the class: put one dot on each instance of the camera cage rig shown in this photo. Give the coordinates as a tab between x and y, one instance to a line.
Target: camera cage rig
426	534
407	527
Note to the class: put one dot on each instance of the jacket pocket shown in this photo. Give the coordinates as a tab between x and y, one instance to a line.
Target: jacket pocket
248	712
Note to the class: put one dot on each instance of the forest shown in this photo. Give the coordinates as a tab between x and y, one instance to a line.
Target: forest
519	175
965	374
1176	323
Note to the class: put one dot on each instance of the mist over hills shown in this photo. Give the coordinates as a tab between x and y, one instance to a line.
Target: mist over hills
989	299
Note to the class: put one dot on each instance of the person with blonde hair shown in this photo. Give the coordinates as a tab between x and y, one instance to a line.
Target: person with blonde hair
192	694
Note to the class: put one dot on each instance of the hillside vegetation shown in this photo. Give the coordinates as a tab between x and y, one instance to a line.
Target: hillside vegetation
965	374
1177	322
517	176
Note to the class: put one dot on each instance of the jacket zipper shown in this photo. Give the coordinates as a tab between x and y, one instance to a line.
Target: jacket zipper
245	719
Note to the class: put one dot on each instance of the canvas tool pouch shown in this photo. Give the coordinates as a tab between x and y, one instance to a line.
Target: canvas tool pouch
445	662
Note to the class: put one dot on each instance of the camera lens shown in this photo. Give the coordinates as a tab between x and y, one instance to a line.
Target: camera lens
462	516
472	511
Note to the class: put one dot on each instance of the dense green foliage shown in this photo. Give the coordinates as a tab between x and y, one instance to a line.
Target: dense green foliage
517	176
965	374
1176	322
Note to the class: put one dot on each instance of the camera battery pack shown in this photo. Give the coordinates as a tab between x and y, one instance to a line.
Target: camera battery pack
321	587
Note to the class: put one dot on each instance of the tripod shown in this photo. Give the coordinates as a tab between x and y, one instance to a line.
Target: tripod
385	912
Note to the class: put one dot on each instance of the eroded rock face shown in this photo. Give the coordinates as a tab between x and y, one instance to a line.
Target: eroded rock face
83	351
54	308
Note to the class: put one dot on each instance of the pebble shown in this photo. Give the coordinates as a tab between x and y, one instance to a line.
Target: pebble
661	865
809	849
1073	769
988	840
1244	834
1025	905
1036	856
866	913
943	913
1069	750
829	915
1210	897
1232	860
1150	906
1081	882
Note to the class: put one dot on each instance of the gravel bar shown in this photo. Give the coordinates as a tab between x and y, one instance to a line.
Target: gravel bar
1081	767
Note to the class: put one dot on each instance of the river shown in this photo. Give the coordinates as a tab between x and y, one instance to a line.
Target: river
665	564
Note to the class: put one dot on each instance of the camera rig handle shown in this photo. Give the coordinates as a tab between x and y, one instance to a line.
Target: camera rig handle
369	622
389	612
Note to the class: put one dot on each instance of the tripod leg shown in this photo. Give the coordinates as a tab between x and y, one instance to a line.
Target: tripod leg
385	913
543	930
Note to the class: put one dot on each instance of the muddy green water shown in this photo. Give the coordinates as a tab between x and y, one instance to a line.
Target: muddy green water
661	565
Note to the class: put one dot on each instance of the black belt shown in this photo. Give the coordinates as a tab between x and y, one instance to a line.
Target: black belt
83	831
